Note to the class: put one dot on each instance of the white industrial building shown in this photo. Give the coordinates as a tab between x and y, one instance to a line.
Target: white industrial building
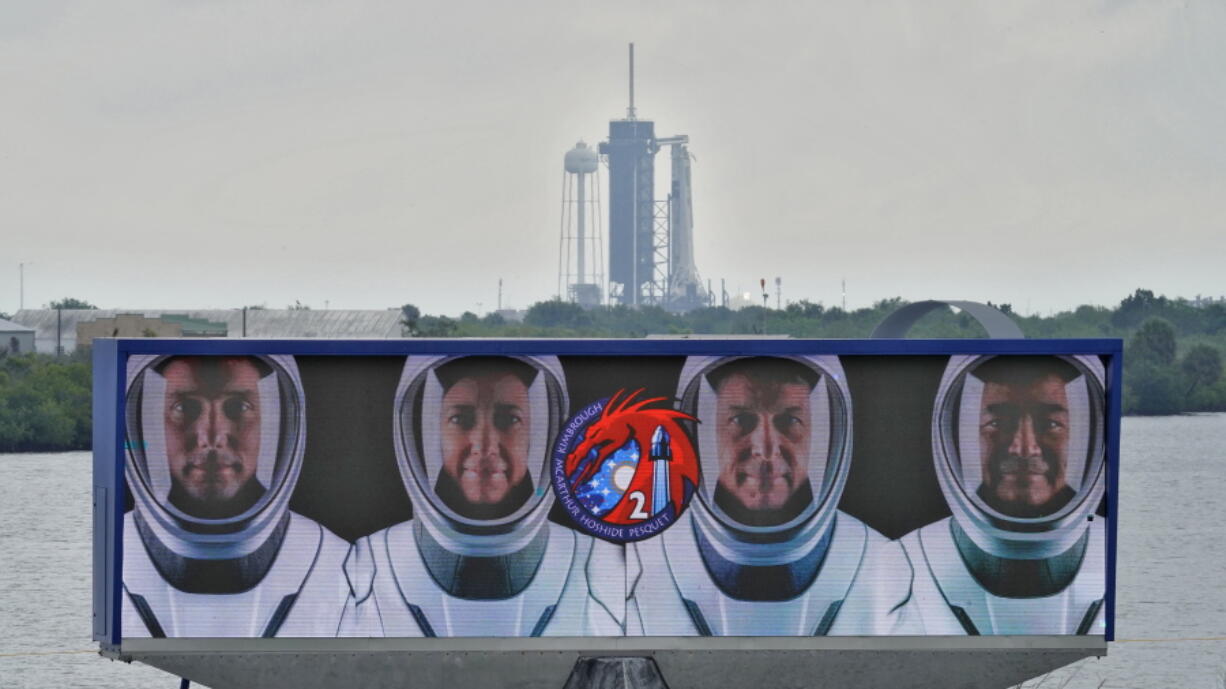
47	328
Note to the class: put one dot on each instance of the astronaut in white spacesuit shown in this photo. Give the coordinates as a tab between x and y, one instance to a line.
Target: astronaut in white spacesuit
214	447
763	548
480	556
1019	451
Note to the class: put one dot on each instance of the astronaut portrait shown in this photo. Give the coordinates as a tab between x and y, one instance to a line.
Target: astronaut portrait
762	423
485	423
480	556
764	549
212	416
1024	436
1018	446
211	548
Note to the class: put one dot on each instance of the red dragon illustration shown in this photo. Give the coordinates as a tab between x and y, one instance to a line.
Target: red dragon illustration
625	421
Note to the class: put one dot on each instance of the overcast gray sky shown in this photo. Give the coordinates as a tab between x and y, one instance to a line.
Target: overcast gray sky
214	154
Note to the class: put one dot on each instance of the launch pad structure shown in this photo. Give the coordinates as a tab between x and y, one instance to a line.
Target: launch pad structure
651	241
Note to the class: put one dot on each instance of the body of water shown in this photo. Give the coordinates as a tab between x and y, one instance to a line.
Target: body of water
1171	563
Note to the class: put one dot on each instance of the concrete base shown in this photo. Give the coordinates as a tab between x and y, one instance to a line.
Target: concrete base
929	663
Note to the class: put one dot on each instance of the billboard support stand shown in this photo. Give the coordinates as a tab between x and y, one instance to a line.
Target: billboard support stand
616	672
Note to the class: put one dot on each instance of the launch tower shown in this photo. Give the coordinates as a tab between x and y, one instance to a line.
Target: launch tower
651	243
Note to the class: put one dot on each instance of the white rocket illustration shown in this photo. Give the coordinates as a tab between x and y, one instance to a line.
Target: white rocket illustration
661	457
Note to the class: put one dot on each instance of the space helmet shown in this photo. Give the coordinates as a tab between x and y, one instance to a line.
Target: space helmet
151	408
797	531
422	443
964	420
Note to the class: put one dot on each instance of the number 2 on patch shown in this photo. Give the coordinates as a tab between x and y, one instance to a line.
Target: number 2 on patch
639	500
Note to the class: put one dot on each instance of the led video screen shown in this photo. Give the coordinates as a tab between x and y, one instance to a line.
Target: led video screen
491	495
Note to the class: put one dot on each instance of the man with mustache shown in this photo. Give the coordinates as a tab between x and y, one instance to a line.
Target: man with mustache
1023	439
211	548
1019	455
764	549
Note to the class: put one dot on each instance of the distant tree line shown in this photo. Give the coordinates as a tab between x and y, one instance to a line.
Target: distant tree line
1158	380
1172	350
44	403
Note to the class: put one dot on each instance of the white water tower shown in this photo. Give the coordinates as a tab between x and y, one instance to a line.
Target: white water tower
580	250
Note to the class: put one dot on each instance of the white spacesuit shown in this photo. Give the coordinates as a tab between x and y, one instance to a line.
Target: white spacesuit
261	571
812	570
1012	561
462	569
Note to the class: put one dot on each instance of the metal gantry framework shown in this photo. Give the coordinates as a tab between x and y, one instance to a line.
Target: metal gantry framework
655	291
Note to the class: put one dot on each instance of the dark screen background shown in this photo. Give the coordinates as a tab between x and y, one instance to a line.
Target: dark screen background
893	486
350	482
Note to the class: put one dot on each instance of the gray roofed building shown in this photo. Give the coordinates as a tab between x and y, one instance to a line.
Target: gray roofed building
260	323
16	338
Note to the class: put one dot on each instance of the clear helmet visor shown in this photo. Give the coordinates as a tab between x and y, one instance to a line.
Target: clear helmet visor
771	439
477	431
1024	435
212	439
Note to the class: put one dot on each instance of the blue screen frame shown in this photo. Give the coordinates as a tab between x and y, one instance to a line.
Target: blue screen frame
110	368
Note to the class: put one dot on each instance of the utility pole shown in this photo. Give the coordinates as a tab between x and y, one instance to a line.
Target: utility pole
765	297
844	294
778	294
21	273
499	294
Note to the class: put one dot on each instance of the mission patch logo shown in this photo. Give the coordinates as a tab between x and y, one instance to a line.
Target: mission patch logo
624	469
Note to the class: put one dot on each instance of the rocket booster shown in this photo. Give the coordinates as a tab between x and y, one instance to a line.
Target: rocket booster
661	457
